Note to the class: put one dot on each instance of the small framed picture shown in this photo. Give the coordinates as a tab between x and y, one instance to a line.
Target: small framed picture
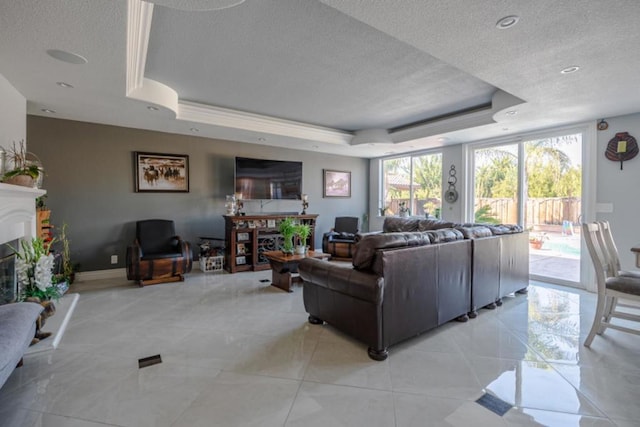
252	224
336	183
241	260
271	223
241	249
243	236
156	172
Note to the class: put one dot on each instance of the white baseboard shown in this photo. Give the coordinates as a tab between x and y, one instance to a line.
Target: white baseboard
113	273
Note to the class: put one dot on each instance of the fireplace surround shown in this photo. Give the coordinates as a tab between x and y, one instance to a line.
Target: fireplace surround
17	221
8	282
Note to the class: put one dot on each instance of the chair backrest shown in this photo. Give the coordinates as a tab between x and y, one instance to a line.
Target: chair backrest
590	232
346	224
155	236
610	245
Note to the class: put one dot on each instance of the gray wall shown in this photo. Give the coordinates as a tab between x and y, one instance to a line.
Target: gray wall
90	185
620	188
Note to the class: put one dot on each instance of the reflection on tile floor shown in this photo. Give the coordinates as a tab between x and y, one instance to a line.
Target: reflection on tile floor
237	352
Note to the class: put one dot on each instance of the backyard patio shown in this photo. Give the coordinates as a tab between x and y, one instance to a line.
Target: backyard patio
559	256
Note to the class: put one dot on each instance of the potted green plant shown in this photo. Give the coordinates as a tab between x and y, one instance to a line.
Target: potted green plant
288	230
302	231
25	172
536	240
67	270
34	270
404	210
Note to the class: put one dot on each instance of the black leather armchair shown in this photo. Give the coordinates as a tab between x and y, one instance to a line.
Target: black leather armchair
340	240
158	255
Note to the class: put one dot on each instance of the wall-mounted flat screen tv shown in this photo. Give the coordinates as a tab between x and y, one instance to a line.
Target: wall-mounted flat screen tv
261	179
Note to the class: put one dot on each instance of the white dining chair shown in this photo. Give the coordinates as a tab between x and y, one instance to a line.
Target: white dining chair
611	286
612	252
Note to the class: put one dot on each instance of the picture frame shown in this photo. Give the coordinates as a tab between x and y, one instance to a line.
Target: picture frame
243	236
271	223
336	183
241	260
161	173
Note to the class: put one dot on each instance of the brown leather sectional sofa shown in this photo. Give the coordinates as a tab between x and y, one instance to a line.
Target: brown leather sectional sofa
414	276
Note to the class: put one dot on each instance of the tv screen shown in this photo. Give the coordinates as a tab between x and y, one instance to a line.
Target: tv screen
258	179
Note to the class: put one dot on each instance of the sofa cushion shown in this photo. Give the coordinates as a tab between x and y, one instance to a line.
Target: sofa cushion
434	224
475	231
393	224
368	244
501	229
444	235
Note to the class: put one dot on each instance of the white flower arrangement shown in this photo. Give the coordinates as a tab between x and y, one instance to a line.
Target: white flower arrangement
34	270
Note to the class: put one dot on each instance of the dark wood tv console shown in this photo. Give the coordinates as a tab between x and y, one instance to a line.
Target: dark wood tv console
249	236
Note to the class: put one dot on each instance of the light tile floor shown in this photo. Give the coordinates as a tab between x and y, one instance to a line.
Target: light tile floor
238	352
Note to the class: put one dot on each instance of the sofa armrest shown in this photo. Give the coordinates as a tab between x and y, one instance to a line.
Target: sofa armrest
134	252
343	279
18	322
184	248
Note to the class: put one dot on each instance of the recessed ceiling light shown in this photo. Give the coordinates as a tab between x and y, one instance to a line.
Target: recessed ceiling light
314	146
511	113
505	129
389	152
194	130
65	85
570	70
261	139
48	111
152	108
68	57
507	22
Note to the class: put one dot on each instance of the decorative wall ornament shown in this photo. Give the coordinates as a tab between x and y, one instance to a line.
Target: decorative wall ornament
451	194
621	147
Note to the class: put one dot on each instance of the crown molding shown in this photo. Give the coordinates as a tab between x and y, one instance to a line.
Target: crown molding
218	116
139	15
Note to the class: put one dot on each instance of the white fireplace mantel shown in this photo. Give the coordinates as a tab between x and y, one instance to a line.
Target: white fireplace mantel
17	212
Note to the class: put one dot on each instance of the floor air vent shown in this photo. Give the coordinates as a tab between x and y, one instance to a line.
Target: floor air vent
148	361
494	404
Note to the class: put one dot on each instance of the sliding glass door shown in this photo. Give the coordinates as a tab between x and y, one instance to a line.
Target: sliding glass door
552	213
536	183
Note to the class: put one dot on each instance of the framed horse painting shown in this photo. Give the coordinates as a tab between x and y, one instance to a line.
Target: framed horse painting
157	172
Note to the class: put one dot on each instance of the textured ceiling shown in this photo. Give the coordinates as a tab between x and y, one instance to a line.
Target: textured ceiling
326	75
304	61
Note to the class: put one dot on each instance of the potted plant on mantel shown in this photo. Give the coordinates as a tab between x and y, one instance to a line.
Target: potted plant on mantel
303	231
25	172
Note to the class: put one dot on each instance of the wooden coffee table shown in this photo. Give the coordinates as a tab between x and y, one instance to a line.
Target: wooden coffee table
283	267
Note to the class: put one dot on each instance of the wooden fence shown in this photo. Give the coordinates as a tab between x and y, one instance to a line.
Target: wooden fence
547	210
